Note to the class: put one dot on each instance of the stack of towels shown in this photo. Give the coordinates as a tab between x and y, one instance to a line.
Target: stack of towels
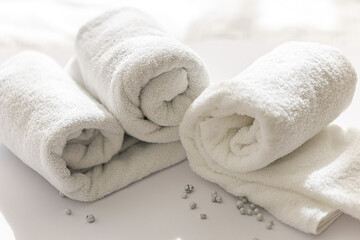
112	117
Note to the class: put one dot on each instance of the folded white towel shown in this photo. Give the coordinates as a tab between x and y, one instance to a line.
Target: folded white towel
273	107
61	132
143	76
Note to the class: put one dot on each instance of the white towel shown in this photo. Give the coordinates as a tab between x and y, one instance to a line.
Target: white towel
272	108
142	75
61	132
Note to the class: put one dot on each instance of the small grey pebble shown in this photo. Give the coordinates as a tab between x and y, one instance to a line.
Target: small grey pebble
242	211
259	217
269	226
213	193
218	199
256	210
192	205
203	216
252	206
244	199
249	212
239	204
90	218
213	198
184	195
61	195
189	188
68	211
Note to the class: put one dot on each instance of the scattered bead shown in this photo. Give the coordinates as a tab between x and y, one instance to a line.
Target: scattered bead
184	195
203	216
259	217
189	188
218	199
252	206
256	210
213	198
61	195
192	205
213	193
90	218
249	212
244	199
239	204
242	211
269	226
68	211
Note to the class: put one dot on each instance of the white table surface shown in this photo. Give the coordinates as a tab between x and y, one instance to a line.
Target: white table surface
30	208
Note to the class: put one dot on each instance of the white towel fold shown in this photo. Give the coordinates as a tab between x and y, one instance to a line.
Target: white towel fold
267	112
61	132
143	76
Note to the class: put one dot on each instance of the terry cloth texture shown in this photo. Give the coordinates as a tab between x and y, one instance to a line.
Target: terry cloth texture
143	76
263	134
65	135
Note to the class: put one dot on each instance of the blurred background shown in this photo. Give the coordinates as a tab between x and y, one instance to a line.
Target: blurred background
227	34
52	23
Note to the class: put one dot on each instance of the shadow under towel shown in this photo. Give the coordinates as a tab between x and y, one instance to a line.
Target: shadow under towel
65	135
264	134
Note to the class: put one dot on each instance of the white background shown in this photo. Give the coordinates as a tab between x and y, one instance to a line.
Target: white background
229	35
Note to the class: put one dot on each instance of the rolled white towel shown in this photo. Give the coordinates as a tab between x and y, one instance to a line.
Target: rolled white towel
277	104
65	135
142	75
